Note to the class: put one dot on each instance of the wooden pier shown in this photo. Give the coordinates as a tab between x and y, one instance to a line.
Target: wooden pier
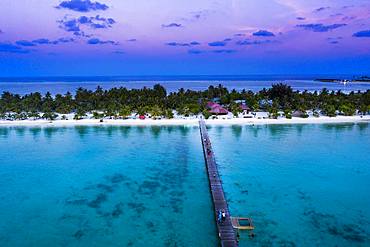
225	228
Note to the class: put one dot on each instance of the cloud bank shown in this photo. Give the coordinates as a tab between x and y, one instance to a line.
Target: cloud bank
217	43
43	41
11	48
96	41
173	24
95	22
319	27
82	5
255	42
264	33
362	34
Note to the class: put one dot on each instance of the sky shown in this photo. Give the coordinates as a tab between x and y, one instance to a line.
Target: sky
183	37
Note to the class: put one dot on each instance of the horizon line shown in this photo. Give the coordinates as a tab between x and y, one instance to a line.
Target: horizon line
72	78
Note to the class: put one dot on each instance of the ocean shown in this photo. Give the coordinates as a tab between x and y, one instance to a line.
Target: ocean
303	185
61	85
104	186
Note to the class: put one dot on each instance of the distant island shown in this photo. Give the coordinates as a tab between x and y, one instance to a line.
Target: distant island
355	79
217	102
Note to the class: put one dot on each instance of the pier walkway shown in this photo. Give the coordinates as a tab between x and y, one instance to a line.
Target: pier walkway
225	228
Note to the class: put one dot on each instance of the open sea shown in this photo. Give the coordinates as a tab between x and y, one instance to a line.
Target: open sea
303	185
61	85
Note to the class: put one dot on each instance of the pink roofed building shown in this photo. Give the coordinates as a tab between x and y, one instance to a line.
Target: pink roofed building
211	105
215	108
219	110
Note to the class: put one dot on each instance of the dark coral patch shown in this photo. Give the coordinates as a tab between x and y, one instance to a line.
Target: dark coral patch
332	225
105	187
76	202
138	207
79	234
149	187
117	178
117	210
100	198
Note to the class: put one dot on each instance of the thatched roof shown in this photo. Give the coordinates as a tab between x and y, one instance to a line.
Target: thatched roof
297	114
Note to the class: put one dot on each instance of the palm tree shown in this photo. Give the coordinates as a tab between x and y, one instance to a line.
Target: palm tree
49	116
288	113
155	111
124	112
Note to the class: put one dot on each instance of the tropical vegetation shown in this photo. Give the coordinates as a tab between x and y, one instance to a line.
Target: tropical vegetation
278	100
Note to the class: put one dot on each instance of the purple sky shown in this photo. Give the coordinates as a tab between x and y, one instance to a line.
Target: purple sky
187	37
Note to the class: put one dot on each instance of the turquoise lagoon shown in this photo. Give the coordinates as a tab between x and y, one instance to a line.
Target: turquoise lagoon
304	185
104	186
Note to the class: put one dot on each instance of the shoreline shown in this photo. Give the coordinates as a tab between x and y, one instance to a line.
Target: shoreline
194	121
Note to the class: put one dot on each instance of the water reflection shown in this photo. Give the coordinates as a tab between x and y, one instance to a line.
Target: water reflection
49	132
35	132
4	132
236	130
20	131
184	130
82	131
170	129
255	129
155	131
140	129
362	126
110	130
299	128
275	131
125	131
338	128
281	131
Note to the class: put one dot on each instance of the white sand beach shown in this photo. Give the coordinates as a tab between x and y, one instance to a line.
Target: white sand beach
190	121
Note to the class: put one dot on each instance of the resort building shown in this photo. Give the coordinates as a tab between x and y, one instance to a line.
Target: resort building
261	115
246	112
216	109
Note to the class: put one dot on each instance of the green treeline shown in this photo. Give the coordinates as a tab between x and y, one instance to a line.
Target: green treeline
121	102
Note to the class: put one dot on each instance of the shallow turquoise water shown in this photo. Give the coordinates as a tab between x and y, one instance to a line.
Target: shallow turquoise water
303	185
104	186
